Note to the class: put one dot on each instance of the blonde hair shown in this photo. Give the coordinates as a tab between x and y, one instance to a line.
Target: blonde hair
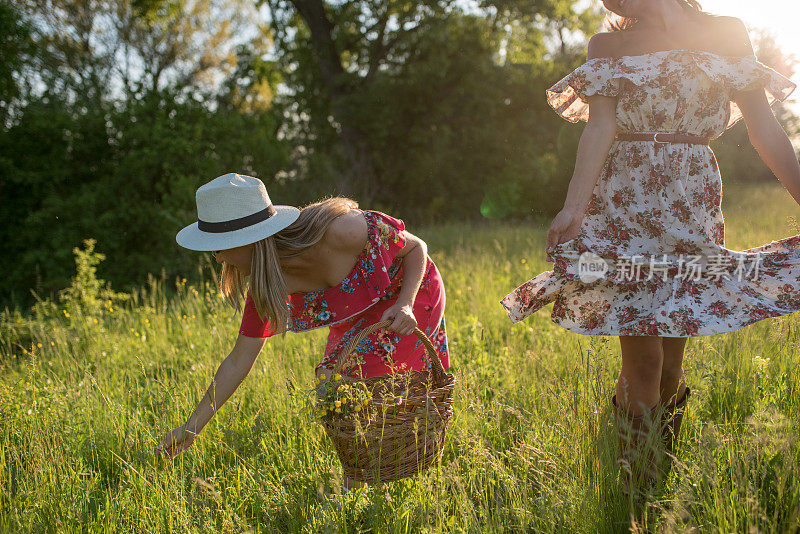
267	285
618	23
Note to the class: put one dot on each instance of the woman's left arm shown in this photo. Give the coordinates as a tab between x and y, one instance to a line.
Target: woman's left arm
415	258
769	140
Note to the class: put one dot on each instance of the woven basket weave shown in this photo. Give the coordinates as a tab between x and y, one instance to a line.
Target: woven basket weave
404	432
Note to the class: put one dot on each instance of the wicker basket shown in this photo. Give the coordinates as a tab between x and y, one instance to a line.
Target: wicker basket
403	433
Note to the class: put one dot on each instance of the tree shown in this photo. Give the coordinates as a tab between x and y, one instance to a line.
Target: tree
330	52
340	59
16	48
99	148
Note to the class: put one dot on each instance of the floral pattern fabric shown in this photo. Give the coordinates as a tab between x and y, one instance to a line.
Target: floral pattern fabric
359	300
663	201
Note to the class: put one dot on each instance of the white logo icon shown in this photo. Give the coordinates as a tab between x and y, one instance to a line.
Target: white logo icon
591	267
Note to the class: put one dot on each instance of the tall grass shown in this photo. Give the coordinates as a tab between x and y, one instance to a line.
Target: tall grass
86	395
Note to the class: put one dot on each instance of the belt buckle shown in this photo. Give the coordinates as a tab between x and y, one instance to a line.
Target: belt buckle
656	141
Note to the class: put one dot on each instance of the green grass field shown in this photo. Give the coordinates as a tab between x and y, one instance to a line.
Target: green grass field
84	398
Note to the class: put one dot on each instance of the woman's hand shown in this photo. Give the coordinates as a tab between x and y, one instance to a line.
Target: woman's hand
402	317
229	375
175	442
565	226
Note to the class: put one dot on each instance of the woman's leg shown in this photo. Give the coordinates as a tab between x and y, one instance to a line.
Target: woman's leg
674	393
636	410
672	385
638	386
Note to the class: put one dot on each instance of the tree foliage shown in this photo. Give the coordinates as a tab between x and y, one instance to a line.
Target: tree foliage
115	111
97	148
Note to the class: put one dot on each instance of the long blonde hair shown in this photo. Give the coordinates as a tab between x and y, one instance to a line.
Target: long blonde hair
618	23
267	285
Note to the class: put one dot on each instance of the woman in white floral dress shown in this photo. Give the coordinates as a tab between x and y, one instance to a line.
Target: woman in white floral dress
638	248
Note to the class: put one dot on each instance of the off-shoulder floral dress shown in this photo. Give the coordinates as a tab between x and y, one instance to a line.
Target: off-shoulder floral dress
658	206
359	300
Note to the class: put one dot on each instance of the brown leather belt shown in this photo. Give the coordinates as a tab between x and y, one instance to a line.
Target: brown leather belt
662	138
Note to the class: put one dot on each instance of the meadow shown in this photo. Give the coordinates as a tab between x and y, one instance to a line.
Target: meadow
90	383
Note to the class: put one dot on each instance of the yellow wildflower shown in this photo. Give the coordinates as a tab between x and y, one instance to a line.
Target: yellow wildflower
337	376
337	404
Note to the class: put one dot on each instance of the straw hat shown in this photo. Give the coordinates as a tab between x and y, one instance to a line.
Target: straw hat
234	210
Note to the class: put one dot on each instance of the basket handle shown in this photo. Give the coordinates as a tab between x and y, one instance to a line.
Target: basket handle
439	375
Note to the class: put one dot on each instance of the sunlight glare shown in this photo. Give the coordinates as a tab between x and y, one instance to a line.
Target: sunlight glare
778	17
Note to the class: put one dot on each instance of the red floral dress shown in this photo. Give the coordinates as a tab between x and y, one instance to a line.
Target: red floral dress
659	205
360	300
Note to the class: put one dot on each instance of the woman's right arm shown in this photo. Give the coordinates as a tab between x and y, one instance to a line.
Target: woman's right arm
593	148
231	372
770	140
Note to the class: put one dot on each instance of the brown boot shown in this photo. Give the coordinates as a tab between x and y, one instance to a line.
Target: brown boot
672	418
639	447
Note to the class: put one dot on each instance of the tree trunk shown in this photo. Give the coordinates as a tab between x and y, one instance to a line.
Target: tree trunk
361	176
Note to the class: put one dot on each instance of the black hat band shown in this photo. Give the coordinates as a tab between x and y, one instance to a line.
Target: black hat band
237	224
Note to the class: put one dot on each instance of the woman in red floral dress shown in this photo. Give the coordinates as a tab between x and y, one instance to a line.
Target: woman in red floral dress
638	248
327	265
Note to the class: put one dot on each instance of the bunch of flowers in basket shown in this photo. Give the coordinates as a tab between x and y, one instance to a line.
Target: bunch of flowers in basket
336	397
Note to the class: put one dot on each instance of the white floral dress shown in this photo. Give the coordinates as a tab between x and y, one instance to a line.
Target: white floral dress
654	229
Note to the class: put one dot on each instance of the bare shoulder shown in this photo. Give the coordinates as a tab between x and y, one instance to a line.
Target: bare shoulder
730	36
604	44
348	232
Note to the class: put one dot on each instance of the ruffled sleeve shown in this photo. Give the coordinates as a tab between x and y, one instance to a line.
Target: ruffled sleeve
378	266
569	97
252	325
388	238
738	74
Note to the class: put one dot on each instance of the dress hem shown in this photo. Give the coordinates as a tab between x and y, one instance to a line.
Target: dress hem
700	332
